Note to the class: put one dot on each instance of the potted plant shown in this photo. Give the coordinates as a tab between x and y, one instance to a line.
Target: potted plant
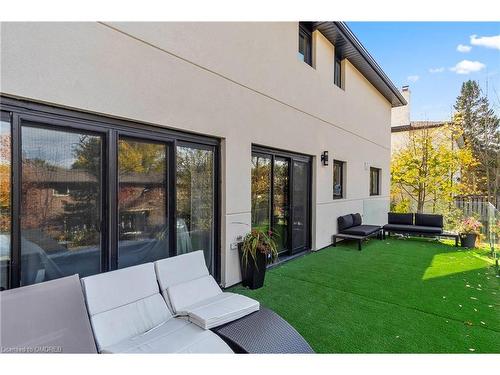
468	229
256	251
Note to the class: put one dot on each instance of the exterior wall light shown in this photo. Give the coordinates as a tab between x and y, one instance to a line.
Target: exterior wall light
324	158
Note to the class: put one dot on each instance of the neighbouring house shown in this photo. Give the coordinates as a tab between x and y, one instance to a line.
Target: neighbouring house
124	143
402	126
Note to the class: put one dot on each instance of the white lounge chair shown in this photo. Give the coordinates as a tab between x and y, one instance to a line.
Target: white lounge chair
129	315
190	291
48	317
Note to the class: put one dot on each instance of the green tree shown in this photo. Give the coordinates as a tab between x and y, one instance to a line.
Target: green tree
424	171
480	128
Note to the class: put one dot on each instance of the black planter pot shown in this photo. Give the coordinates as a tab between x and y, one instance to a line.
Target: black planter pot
468	240
252	276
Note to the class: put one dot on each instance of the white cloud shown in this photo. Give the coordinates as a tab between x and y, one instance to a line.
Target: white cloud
414	78
436	70
463	48
486	41
467	66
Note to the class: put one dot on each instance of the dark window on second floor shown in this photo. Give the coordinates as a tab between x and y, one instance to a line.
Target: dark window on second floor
305	43
374	181
338	179
337	79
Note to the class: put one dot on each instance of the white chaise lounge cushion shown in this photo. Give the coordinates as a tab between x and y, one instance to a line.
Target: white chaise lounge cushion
124	303
172	336
220	309
191	291
128	314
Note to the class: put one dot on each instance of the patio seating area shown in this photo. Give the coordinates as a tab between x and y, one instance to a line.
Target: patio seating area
395	296
169	306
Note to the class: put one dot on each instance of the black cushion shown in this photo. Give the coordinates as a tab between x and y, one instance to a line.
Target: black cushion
361	230
344	222
356	220
429	220
397	218
412	229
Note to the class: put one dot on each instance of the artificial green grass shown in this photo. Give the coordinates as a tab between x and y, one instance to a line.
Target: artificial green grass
394	296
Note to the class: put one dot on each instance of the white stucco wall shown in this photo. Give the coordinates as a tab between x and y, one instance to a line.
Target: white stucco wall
241	82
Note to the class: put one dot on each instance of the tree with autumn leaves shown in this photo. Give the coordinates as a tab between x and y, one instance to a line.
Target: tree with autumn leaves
5	182
460	158
427	172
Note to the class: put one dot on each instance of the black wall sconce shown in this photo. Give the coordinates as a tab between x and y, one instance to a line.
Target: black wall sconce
324	158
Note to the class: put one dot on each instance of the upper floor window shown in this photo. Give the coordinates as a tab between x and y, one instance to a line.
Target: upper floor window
305	43
337	79
374	181
338	179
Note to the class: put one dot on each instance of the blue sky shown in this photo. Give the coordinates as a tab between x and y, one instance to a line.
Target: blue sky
408	51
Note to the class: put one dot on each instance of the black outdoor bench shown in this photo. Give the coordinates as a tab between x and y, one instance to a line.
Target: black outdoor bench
350	227
422	225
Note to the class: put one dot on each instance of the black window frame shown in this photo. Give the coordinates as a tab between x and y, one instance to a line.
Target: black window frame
111	129
306	33
337	74
273	153
377	172
342	179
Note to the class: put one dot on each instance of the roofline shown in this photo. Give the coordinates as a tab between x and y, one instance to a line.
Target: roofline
361	59
370	60
405	128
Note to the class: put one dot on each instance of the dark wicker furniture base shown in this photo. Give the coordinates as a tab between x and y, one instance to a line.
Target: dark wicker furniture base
263	331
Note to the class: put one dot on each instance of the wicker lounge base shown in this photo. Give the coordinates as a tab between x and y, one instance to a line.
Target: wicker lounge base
263	331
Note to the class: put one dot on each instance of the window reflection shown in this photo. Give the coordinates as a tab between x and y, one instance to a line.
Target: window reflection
281	201
60	233
142	202
338	179
195	201
374	181
261	192
5	198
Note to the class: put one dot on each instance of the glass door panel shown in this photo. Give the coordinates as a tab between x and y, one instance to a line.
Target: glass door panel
5	198
61	202
281	199
261	192
142	202
195	189
300	206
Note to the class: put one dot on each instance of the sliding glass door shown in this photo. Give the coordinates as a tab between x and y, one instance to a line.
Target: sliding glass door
281	196
87	194
195	190
61	203
301	205
142	201
281	203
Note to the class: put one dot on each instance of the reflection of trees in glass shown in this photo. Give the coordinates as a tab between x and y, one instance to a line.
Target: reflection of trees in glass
61	175
142	189
261	187
5	166
281	202
280	187
82	211
195	188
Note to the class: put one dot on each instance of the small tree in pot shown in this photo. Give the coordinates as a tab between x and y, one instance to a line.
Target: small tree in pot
469	229
256	251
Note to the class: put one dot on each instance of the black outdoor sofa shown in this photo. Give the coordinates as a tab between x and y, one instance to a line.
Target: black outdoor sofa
351	227
422	225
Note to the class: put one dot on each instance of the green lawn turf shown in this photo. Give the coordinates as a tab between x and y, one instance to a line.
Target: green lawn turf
394	296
